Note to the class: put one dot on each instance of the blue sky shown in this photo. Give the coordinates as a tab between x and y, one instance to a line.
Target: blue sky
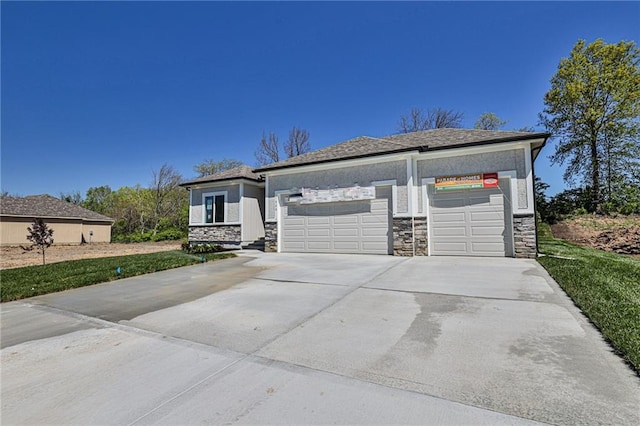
102	93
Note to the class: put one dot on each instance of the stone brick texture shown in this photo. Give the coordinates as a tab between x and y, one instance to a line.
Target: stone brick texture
229	234
524	236
270	237
403	233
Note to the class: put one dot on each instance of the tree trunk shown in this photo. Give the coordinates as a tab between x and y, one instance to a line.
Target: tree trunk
595	174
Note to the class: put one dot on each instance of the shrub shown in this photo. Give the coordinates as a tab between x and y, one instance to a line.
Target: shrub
168	235
201	248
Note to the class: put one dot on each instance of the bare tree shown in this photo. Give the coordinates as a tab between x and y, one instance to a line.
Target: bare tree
434	118
165	183
210	166
298	142
73	197
268	150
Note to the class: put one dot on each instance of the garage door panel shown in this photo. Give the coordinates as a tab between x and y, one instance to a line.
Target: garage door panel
450	246
319	245
347	245
374	232
344	232
296	245
318	232
374	246
293	233
317	221
483	216
345	220
449	232
495	231
448	217
496	247
295	221
374	220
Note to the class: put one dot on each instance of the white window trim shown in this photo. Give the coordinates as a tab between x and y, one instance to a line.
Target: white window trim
226	207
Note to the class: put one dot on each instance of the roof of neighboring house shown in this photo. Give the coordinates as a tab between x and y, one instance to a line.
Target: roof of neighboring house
46	206
428	140
241	172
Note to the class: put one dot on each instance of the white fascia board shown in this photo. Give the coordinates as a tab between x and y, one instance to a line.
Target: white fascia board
231	182
456	152
338	164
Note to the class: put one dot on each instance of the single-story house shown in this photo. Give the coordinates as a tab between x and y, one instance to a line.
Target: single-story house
455	192
227	208
71	224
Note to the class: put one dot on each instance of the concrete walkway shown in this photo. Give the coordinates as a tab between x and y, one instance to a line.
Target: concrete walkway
275	338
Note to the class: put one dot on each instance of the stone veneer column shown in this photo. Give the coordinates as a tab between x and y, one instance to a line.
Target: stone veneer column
215	234
524	236
270	237
403	233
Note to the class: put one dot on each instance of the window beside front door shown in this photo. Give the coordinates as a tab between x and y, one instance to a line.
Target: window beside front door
214	208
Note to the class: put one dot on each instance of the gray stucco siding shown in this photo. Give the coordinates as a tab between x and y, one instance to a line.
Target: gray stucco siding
233	203
343	177
474	163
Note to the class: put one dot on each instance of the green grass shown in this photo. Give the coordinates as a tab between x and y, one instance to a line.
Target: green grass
30	281
606	286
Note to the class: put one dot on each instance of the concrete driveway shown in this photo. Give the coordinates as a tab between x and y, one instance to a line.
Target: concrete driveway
314	339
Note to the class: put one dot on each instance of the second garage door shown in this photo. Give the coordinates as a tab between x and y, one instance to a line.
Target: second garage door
344	227
470	223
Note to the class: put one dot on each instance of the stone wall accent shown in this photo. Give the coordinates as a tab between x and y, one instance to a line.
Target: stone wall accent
270	237
403	233
524	236
228	234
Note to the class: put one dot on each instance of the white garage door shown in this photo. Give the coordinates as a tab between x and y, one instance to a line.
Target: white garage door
470	223
344	227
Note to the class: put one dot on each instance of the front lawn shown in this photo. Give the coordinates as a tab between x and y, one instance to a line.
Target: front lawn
30	281
606	286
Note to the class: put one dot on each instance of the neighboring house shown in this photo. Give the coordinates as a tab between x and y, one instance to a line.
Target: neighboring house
436	192
227	208
71	223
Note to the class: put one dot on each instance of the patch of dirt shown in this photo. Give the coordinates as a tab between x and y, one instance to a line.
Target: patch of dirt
14	257
615	234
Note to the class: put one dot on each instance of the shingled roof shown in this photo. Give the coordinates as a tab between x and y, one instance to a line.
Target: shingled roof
428	140
242	172
46	206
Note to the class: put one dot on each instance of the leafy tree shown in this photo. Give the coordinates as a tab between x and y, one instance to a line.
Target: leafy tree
540	197
593	108
211	166
99	199
433	118
73	197
269	148
489	121
40	236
